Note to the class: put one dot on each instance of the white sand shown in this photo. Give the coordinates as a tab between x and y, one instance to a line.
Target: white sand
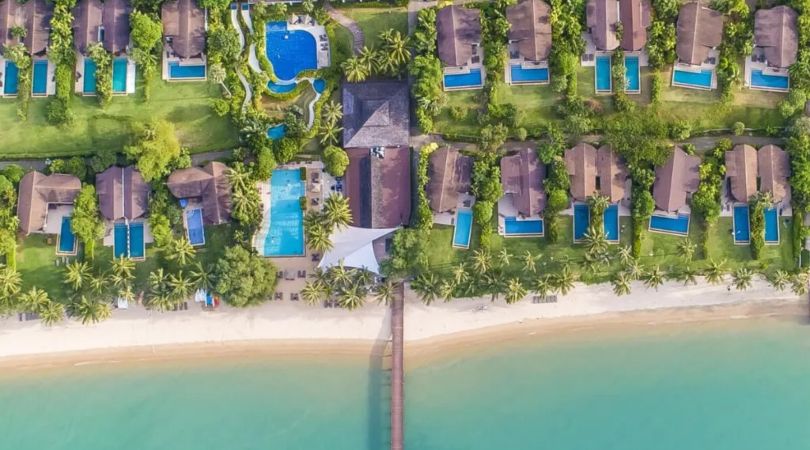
294	321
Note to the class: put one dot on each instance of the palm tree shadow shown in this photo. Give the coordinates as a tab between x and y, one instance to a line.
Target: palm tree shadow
379	392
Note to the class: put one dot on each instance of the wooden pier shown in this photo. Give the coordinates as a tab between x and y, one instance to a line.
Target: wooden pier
397	369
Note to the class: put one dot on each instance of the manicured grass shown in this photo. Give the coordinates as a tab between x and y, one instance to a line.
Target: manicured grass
187	105
374	21
36	262
536	103
217	238
470	101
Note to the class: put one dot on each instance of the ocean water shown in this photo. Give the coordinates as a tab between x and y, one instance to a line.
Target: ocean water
744	385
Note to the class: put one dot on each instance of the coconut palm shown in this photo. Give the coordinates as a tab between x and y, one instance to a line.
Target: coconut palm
351	297
314	292
780	279
543	286
459	274
427	287
529	262
625	254
182	252
218	75
563	280
446	290
504	257
238	175
76	274
332	112
363	277
634	270
355	70
386	291
202	277
123	268
598	204
90	311
654	278
159	283
686	249
368	58
481	260
337	212
715	272
741	278
688	275
798	283
396	47
126	293
515	291
595	241
621	283
10	283
97	284
181	286
340	275
493	284
51	313
330	133
34	299
319	239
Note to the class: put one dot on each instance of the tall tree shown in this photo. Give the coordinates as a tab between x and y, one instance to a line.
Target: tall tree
86	222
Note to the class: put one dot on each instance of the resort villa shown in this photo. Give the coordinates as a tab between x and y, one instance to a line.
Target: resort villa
106	23
700	32
205	196
448	191
675	182
613	24
458	32
45	205
529	42
184	28
123	199
523	201
34	19
776	43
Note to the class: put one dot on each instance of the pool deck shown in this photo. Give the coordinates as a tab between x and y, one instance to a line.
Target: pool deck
528	65
78	87
3	70
449	218
751	65
109	232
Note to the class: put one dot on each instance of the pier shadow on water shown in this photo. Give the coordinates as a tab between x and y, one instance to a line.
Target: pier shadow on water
379	389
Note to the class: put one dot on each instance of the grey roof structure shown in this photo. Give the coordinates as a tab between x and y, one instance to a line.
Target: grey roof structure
530	29
675	180
522	177
34	16
635	18
122	193
774	170
601	17
612	173
376	114
700	29
184	28
37	191
210	185
742	170
449	174
457	30
580	162
378	185
775	31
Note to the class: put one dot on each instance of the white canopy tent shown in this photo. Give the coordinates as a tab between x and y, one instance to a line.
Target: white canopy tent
354	246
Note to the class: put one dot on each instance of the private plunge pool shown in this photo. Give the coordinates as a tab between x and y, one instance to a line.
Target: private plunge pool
40	78
68	244
119	76
186	72
11	79
521	75
463	228
602	78
277	132
610	222
694	80
514	227
472	79
129	241
285	235
742	225
678	225
771	226
632	74
290	51
760	80
89	80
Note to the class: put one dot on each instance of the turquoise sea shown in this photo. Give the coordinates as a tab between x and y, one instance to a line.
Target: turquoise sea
738	385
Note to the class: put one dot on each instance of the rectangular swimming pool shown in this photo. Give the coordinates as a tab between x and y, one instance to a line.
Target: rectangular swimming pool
520	75
178	72
40	78
769	82
742	226
129	240
119	76
285	236
89	80
582	218
11	78
699	80
771	226
610	221
670	225
463	80
120	241
194	227
603	80
515	227
67	240
632	74
463	228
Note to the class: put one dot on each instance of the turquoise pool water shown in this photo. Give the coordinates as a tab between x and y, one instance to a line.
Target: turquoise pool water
40	78
120	241
463	228
771	226
67	240
129	240
285	236
176	71
702	79
602	74
776	82
89	77
610	221
319	85
515	227
742	226
281	88
194	227
290	51
11	78
582	217
277	131
119	75
670	225
520	75
462	80
632	74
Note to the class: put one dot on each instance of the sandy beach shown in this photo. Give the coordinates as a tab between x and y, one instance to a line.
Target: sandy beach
293	328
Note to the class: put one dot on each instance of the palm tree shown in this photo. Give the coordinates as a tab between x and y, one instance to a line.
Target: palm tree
51	313
798	283
318	237
654	278
780	279
351	297
427	286
313	292
595	241
332	112
563	280
504	257
238	175
714	272
598	204
625	254
159	283
90	311
543	286
363	277
34	299
330	133
481	260
97	283
123	268
126	293
688	275
77	274
621	283
446	290
494	284
182	251
634	270
339	274
218	75
687	249
10	282
459	274
337	212
355	70
202	277
368	58
396	47
742	278
529	262
386	291
181	286
515	291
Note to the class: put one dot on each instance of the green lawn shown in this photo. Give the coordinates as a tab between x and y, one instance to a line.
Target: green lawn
187	105
470	102
36	262
536	103
374	21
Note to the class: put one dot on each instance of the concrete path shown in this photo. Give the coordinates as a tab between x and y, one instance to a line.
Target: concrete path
235	23
359	40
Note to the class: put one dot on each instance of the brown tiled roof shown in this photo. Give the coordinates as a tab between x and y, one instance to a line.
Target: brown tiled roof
37	191
601	17
184	22
530	29
741	169
775	30
115	18
635	18
210	185
580	162
34	16
612	173
774	170
457	28
122	193
375	114
87	21
449	175
379	187
679	176
522	177
699	30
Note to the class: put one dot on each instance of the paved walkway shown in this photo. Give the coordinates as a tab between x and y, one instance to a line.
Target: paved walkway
359	40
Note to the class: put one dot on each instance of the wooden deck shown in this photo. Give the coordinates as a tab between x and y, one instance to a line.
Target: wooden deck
397	351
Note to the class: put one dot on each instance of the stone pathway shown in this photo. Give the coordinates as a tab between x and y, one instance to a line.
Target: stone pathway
359	40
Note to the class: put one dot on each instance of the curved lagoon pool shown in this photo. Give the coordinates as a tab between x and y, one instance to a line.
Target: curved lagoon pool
290	51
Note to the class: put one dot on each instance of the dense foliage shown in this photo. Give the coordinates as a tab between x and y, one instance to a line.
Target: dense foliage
706	201
243	278
86	221
738	35
566	32
423	219
486	186
156	151
426	70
